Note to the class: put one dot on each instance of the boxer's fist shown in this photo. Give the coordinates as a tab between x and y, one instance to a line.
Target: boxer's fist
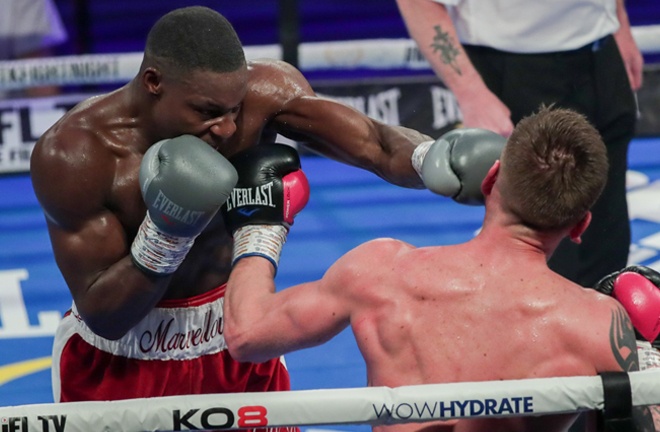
606	284
637	289
271	190
456	164
183	182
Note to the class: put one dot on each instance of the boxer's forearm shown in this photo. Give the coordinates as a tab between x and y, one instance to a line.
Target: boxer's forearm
399	143
119	298
344	134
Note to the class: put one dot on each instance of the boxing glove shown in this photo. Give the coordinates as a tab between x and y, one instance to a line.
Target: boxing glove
637	289
271	190
455	164
183	183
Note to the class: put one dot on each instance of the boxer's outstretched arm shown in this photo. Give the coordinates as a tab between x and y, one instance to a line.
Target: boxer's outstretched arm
391	152
258	324
346	135
336	130
261	324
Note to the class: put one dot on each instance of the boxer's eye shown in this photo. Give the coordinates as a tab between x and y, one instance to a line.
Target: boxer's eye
210	113
236	109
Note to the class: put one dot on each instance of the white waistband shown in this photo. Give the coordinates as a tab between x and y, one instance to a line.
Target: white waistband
176	333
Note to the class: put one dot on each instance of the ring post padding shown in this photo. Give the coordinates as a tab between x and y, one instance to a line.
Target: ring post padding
618	404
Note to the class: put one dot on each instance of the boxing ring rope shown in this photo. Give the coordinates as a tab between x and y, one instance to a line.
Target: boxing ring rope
122	67
374	405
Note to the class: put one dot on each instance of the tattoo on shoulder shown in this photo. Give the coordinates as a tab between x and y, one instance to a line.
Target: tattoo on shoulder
624	348
622	341
443	44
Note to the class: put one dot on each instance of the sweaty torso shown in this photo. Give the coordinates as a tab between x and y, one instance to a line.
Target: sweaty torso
120	140
469	315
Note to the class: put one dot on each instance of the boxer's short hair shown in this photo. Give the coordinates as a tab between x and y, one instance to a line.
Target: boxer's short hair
195	38
554	168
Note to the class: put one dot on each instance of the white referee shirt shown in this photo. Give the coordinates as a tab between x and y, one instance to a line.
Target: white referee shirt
532	26
28	25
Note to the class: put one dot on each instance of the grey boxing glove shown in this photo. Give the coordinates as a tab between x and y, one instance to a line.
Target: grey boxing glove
183	182
456	164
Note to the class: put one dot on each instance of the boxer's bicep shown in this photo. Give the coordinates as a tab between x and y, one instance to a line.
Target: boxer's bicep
261	324
333	128
71	180
88	249
330	128
315	312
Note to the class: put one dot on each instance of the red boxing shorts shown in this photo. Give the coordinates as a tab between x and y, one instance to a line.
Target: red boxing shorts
177	349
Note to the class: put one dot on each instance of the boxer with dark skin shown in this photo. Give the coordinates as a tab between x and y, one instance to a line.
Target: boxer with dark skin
85	169
87	174
120	339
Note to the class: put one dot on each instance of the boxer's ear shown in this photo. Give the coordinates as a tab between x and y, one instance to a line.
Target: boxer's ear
152	80
489	180
576	232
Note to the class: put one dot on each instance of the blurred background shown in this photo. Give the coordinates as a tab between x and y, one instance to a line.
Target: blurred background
347	206
104	26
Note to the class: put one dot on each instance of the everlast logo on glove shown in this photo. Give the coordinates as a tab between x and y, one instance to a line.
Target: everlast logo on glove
259	195
176	212
263	193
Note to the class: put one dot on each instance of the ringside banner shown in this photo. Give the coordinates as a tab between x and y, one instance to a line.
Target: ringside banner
423	104
22	121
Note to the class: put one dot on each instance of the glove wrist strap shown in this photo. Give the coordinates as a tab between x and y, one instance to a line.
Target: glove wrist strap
157	252
649	357
259	240
419	154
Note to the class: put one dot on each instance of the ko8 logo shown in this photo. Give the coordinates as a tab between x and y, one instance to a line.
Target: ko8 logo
251	416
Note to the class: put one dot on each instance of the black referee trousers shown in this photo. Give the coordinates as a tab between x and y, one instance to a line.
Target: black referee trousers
591	80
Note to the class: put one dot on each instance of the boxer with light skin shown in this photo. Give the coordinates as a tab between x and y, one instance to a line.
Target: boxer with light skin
487	309
130	183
